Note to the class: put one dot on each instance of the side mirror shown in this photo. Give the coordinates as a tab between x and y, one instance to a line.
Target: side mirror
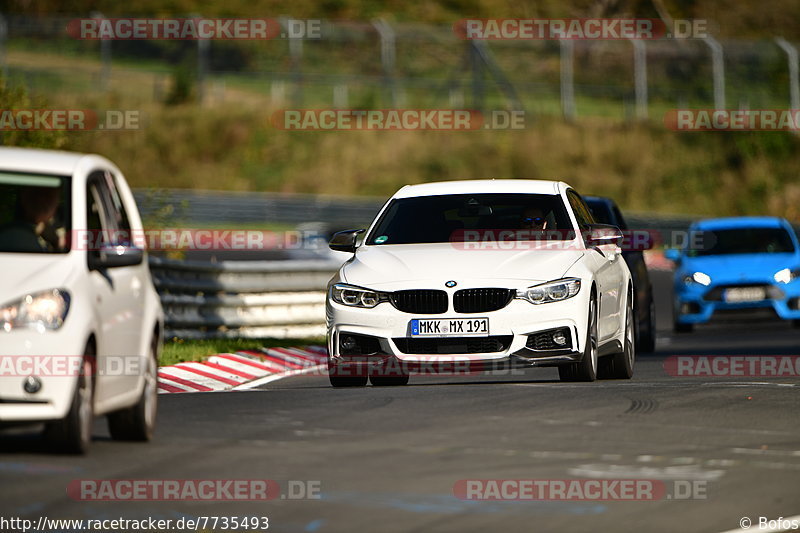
672	254
600	234
345	241
114	256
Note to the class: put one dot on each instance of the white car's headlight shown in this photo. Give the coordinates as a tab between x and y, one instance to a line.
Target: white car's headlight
353	296
40	310
787	275
698	277
552	291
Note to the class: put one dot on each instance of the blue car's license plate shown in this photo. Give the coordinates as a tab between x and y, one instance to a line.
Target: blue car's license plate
745	294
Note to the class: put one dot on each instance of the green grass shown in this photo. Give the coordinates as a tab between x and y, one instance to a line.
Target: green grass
178	350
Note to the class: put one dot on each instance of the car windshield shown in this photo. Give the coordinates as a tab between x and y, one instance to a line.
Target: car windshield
743	241
463	217
34	213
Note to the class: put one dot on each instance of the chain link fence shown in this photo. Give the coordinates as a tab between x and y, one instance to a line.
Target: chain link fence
375	64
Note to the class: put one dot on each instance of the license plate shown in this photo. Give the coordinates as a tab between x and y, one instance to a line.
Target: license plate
745	294
450	327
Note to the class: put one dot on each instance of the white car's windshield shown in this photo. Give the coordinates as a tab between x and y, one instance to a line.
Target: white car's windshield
34	213
455	217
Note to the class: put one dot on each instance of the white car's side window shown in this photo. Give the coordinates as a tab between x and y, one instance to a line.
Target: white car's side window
105	209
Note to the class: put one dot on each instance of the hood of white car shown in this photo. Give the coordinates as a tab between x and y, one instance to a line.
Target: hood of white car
28	273
431	265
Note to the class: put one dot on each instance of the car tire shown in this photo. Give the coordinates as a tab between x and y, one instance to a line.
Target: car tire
620	365
586	368
137	423
345	381
73	433
646	342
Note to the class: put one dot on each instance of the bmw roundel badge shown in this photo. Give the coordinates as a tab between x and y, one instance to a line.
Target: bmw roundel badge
450	284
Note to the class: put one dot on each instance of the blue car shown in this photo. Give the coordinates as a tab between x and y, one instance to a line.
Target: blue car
733	265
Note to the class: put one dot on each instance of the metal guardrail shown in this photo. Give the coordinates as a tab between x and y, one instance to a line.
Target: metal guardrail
230	207
278	299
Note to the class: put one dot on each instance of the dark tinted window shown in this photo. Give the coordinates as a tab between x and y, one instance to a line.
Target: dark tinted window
34	213
445	218
742	241
601	211
582	213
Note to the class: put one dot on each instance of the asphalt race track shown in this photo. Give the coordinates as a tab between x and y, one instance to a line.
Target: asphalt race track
388	459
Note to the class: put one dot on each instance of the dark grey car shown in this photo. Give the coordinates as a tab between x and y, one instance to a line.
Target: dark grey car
605	211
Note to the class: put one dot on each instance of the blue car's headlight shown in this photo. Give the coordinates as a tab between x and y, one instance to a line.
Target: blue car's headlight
698	277
354	296
41	311
552	291
787	275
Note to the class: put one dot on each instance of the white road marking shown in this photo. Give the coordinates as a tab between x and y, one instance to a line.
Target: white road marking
601	471
766	451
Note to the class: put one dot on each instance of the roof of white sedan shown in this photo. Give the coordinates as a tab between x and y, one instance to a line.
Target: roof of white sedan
40	161
482	186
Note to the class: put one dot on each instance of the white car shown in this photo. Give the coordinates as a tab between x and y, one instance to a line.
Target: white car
80	320
492	273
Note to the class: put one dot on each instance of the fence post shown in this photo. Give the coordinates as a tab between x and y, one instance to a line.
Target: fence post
388	56
567	79
794	82
105	55
340	97
296	58
3	37
640	77
202	60
476	66
718	71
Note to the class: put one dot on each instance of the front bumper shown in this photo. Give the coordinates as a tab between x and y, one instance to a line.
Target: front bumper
53	358
514	324
696	304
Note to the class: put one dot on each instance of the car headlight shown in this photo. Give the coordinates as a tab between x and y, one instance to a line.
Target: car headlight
40	310
353	296
552	291
698	277
787	275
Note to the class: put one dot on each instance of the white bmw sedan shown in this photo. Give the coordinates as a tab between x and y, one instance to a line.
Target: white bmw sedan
80	320
492	274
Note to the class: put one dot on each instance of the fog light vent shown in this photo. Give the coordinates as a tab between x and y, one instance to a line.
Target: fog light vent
553	339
